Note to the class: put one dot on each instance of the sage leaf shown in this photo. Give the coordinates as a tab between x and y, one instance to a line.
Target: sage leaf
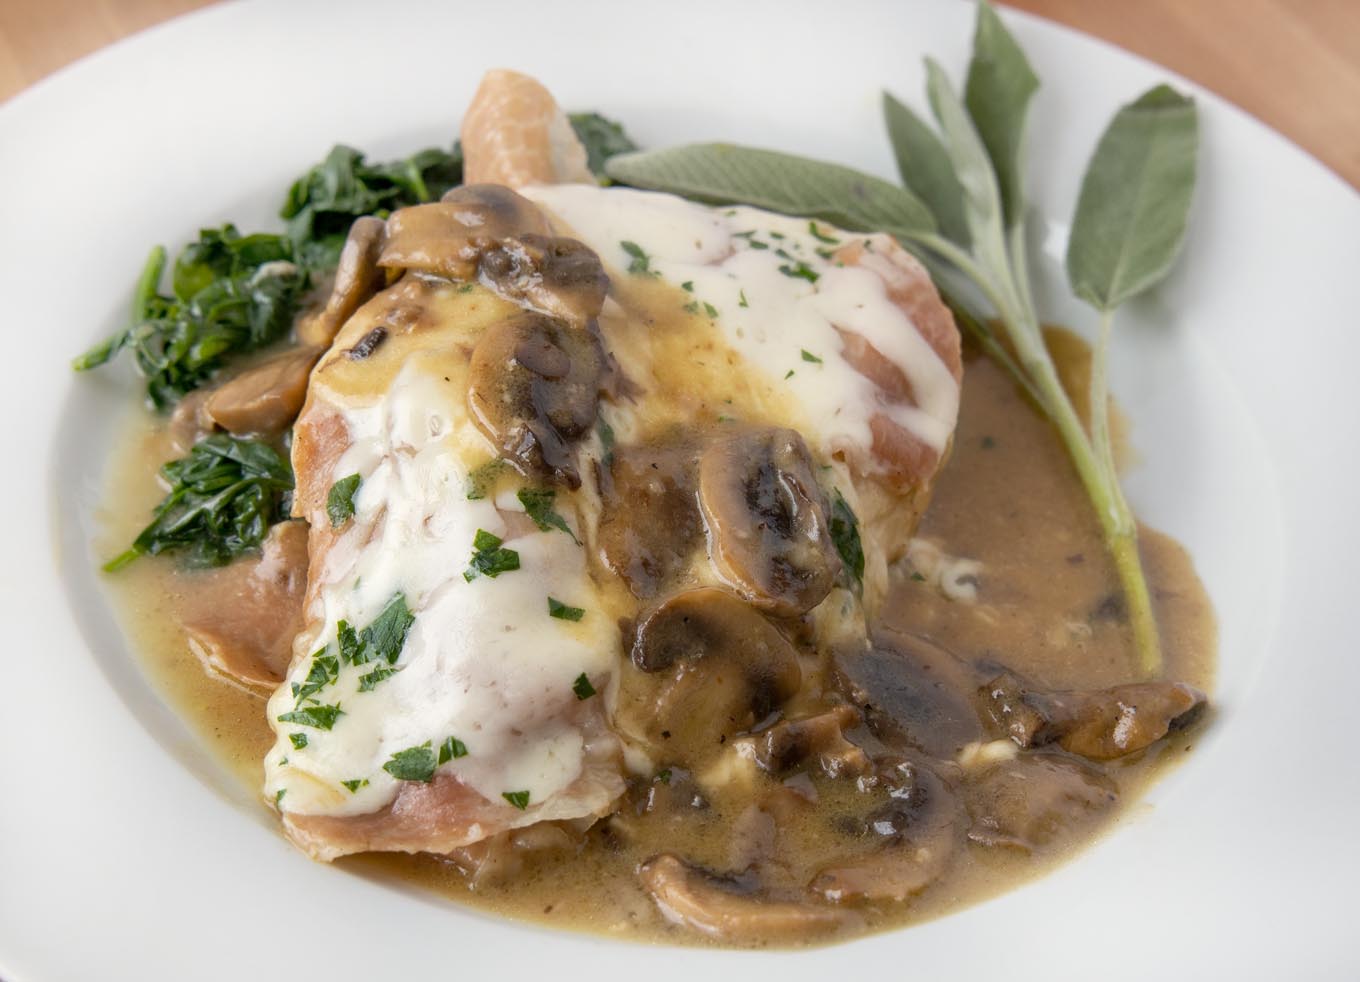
924	165
997	92
972	167
722	173
1135	199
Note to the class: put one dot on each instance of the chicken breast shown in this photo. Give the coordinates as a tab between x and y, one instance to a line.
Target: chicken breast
573	404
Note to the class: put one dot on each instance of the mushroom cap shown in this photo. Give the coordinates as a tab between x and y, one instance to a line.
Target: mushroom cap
730	910
767	520
710	667
533	387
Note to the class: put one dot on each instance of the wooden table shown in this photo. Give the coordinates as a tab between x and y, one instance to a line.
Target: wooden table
1293	63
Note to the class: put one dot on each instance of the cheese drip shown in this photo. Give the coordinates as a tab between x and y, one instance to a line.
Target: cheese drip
483	662
780	298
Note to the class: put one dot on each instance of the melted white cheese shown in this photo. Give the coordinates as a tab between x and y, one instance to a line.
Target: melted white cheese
483	661
779	297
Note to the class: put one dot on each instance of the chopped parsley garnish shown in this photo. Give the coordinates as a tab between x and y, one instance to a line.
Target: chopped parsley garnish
582	687
816	234
692	307
481	480
319	717
278	796
488	558
809	356
561	611
641	263
412	764
606	442
776	235
845	536
917	577
687	286
380	641
664	776
340	500
757	244
710	310
742	302
520	799
789	374
355	784
801	271
299	740
538	505
452	749
324	671
369	682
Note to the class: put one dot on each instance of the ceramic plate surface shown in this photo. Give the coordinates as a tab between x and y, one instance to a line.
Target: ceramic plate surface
126	852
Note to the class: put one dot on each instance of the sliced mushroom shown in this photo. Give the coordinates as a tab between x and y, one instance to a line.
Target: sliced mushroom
711	668
650	524
915	840
357	278
731	909
264	399
448	238
911	691
242	625
819	738
559	276
767	524
533	389
1101	724
1028	802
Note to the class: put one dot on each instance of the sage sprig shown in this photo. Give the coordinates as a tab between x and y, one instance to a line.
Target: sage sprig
962	209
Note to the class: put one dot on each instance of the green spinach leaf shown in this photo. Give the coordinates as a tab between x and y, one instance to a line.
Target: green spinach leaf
223	498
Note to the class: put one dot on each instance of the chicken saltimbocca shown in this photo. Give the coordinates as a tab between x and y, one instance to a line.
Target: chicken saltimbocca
653	567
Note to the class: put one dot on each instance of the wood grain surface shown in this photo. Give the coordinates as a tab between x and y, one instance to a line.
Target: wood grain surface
1295	64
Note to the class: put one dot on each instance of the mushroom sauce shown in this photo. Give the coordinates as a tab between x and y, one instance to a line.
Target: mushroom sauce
1007	568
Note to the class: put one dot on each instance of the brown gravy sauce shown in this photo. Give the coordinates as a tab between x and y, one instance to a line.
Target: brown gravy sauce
1047	608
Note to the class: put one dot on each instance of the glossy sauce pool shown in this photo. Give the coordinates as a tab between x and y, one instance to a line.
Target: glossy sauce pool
1048	607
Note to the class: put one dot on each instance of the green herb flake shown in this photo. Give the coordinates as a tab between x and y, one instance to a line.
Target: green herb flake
710	310
520	799
369	682
319	717
809	356
538	504
742	302
563	612
640	263
340	500
452	749
687	286
776	235
582	687
788	374
917	577
483	479
692	307
817	234
298	740
354	784
801	271
488	558
757	244
325	669
278	796
664	776
845	536
412	764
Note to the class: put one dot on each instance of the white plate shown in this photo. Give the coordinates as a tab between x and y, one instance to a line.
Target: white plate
126	853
